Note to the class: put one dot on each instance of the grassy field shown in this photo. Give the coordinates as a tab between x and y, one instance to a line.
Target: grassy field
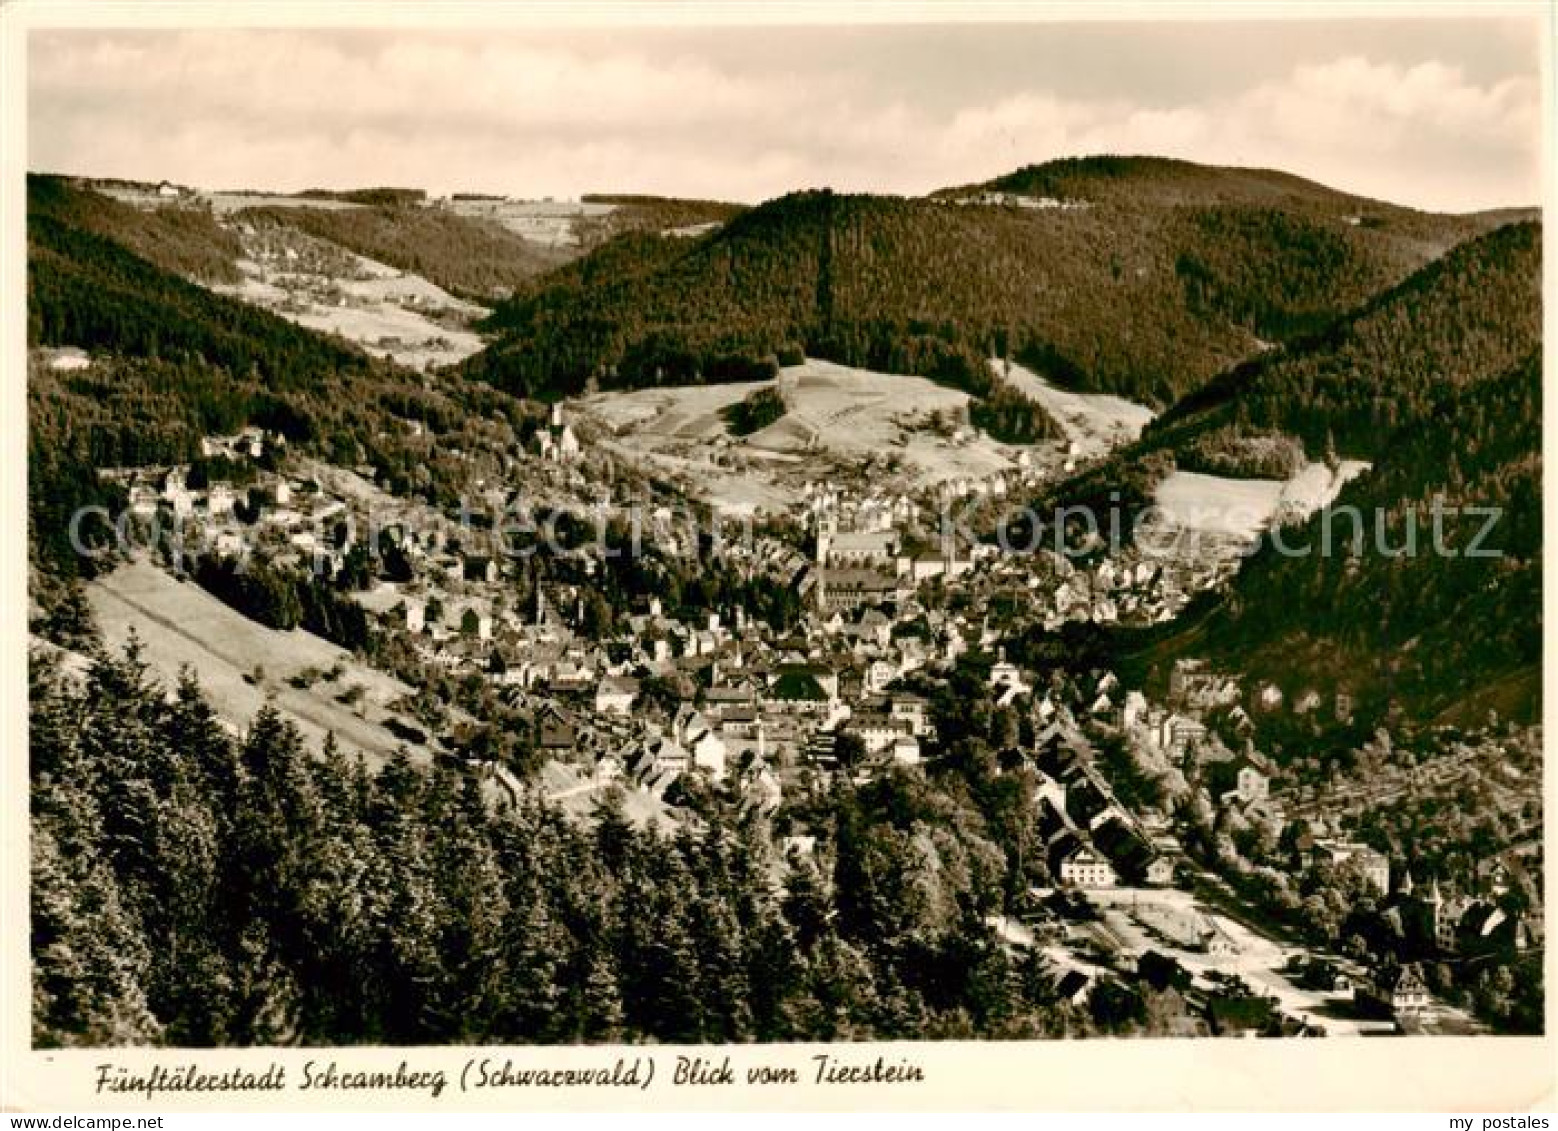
1215	505
688	412
1243	507
179	624
1094	422
852	411
837	418
388	330
545	223
388	312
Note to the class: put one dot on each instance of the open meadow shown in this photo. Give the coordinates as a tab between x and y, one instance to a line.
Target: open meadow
179	624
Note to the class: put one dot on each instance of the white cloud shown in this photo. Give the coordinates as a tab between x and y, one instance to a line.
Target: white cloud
504	112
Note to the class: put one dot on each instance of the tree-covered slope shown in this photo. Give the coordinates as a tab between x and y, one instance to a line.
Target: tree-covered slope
1352	389
1438	384
173	362
88	289
183	240
466	255
193	890
1376	609
1146	281
636	212
1469	316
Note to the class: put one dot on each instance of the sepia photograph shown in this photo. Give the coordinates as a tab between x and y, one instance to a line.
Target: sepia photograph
622	533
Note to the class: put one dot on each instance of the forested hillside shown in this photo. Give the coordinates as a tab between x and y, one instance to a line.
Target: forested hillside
635	212
183	240
1467	317
1351	390
1400	624
174	362
229	892
1144	277
466	255
474	256
1438	383
90	290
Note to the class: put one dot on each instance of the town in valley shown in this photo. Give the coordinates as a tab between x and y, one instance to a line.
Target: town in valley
471	618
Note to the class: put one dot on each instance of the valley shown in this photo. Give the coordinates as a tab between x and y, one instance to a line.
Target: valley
653	556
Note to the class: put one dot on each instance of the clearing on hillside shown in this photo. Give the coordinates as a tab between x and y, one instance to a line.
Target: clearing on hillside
907	433
1242	508
1093	422
317	284
178	623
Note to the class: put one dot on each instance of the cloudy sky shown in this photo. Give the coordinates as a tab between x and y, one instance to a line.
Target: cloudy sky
1441	114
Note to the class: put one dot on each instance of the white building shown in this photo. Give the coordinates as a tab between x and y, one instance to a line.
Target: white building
416	616
906	750
615	695
219	500
1085	867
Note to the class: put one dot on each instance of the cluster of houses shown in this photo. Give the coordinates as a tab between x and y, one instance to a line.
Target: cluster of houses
291	515
1091	839
782	701
746	730
992	199
1129	587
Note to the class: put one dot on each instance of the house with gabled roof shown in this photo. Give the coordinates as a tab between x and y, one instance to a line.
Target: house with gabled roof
799	688
1081	865
695	734
658	762
877	730
615	694
1401	990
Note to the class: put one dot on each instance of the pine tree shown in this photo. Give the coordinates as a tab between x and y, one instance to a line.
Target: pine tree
89	960
193	730
600	1018
265	993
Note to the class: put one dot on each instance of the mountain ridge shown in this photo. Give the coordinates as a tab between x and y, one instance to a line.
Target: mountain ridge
1147	297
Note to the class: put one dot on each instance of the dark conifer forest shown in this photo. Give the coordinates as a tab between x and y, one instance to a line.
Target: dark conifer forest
194	889
1198	263
1437	382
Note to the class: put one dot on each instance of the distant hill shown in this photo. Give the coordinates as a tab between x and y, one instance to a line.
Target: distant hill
635	212
88	286
172	361
466	255
474	256
181	238
1160	181
384	197
1136	276
1471	315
